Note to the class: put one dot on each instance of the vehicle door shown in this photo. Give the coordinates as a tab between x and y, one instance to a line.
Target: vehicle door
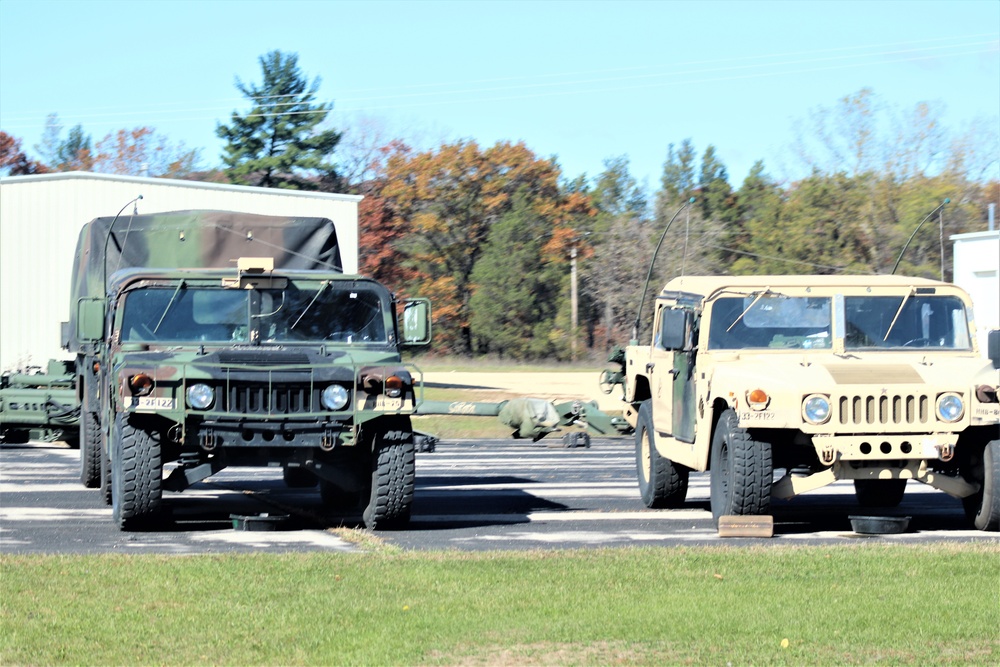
672	366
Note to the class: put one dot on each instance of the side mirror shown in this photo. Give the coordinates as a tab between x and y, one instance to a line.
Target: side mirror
90	319
416	322
675	327
993	347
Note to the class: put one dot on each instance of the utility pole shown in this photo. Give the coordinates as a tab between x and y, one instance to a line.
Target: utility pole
574	303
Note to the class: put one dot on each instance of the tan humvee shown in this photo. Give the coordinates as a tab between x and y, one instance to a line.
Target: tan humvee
877	379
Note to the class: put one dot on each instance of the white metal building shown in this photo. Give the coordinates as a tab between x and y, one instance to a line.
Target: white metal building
41	216
977	270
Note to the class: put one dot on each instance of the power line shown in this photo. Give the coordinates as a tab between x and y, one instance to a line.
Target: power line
448	97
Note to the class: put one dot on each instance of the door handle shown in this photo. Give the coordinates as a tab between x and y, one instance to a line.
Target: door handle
649	367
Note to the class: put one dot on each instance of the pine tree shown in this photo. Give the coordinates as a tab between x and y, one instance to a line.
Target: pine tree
513	306
76	152
277	143
678	180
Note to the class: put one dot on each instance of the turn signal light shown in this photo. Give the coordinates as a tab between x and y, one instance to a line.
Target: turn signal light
393	386
141	384
758	399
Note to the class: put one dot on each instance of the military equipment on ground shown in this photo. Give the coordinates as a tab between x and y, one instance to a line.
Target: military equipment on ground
40	406
875	379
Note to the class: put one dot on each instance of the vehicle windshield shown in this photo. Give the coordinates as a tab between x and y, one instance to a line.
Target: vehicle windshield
770	321
906	322
325	313
317	313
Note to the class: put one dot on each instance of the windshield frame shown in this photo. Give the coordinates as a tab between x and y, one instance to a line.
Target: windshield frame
957	318
247	328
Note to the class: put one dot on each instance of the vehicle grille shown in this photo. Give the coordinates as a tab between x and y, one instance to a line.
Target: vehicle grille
271	399
884	410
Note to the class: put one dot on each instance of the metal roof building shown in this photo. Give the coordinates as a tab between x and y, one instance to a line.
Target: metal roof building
977	269
41	216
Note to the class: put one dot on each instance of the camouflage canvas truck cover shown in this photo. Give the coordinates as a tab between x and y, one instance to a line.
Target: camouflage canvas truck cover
227	339
875	379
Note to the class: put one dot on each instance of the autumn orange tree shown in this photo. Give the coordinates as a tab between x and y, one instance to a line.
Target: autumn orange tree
14	161
141	151
447	201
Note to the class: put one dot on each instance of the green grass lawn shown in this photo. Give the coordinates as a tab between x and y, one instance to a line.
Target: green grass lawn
898	605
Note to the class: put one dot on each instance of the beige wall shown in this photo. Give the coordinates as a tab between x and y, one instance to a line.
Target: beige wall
40	217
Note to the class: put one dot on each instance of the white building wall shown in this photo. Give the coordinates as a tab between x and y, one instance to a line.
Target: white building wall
977	270
41	216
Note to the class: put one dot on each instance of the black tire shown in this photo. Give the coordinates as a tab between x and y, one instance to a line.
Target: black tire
983	508
879	492
662	483
90	449
16	437
105	489
136	475
741	470
299	478
393	476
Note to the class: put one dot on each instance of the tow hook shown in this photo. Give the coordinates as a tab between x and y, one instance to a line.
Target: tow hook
827	455
328	441
208	441
946	452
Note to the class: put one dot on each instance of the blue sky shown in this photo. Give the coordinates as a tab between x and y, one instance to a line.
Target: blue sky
582	81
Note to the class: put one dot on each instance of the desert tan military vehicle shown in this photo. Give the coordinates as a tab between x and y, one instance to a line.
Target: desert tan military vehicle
875	379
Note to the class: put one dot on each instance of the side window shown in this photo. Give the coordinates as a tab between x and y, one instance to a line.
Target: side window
677	330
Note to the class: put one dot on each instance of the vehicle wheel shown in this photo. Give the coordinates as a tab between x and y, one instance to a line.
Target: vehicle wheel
136	475
879	492
90	449
16	437
662	483
104	453
983	508
298	478
741	470
392	480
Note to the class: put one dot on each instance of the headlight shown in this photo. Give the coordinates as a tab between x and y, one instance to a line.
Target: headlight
200	396
816	409
334	397
950	407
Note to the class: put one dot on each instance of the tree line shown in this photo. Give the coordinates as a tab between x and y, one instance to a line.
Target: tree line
501	239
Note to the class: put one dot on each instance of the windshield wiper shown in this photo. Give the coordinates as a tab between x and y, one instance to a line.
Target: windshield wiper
767	290
322	288
898	311
170	304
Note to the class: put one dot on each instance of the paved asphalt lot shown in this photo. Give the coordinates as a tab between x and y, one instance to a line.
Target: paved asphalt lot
471	495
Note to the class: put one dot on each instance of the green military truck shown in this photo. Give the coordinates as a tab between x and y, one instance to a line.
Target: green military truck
208	339
875	379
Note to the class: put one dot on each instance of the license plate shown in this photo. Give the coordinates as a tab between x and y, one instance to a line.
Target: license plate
153	403
386	403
